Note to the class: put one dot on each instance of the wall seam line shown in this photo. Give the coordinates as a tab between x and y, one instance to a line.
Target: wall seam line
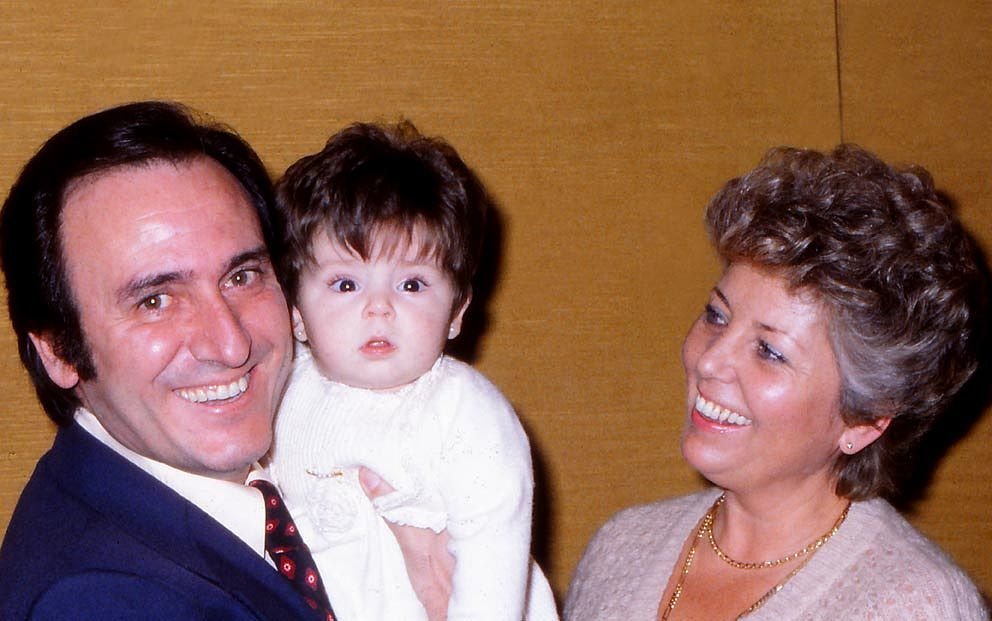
837	61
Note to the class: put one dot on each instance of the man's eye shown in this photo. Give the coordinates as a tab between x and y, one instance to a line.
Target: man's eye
155	302
344	285
412	286
243	277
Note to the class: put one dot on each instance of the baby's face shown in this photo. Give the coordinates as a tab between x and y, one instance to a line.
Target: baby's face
379	323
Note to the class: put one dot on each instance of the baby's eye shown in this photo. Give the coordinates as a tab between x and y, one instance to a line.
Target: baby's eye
412	285
344	285
768	352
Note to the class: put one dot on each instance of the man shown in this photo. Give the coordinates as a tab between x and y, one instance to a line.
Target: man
135	250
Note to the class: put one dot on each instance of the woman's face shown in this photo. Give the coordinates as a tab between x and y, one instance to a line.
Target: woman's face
763	387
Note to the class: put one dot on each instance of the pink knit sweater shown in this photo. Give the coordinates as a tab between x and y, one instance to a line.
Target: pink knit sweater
876	567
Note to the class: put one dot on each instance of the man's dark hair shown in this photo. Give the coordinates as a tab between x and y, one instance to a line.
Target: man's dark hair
39	298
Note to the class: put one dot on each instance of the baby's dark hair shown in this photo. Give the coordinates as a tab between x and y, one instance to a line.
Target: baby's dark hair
372	179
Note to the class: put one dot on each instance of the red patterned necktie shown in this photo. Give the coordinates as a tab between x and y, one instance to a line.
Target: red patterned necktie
288	551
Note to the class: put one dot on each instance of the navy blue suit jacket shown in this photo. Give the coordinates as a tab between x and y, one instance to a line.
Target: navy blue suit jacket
94	537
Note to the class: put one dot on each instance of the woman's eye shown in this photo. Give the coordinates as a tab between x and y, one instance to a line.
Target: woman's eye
344	285
412	286
712	316
768	352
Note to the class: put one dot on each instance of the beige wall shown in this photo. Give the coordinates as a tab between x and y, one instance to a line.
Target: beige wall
601	128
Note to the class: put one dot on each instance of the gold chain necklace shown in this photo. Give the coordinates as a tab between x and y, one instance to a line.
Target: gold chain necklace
705	524
812	547
706	528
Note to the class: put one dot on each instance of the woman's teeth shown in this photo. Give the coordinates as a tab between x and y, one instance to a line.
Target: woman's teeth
214	393
719	414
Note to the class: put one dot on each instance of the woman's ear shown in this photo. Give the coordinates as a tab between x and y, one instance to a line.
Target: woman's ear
299	328
455	327
857	437
63	374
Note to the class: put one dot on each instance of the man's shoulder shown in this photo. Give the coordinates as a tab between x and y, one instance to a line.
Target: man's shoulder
60	511
105	527
52	533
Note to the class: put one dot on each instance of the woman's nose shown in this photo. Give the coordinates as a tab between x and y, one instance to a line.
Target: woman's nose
712	353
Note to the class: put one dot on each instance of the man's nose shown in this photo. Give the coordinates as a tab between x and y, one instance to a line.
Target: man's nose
218	334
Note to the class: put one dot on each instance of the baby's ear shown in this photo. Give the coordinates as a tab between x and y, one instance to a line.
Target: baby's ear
299	328
455	327
59	371
857	437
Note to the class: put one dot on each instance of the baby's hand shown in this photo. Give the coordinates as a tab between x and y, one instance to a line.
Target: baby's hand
429	564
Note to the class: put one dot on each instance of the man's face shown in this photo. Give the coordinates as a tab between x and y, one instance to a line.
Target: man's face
184	319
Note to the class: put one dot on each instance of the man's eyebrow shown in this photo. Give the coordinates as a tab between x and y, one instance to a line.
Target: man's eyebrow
259	254
138	286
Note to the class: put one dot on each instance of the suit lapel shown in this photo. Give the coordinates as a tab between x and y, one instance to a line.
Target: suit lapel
169	524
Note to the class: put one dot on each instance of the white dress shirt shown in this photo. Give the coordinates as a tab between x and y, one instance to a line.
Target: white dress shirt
238	508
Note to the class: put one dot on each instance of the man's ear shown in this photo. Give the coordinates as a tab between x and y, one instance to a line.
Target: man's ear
455	327
59	371
857	437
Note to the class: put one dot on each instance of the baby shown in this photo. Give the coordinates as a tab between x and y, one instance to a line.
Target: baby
382	235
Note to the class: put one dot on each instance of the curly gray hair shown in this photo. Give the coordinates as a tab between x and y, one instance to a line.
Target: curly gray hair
896	270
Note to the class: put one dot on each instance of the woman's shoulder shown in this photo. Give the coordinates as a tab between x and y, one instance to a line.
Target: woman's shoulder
645	529
621	571
895	541
689	508
901	571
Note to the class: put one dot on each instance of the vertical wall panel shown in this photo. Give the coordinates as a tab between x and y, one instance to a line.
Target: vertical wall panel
917	87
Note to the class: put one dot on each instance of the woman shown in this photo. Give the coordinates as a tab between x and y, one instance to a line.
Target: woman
844	322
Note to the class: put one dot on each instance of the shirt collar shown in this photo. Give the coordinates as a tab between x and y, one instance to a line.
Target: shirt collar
238	508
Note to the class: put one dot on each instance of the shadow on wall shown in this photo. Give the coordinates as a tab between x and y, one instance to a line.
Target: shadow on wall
974	400
476	320
466	348
542	529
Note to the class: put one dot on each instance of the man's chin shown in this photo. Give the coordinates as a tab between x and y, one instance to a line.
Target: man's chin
231	462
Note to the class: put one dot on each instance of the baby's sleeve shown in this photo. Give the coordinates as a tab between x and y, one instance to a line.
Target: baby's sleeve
487	485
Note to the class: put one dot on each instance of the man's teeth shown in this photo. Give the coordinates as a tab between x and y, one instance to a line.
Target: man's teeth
214	393
716	413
